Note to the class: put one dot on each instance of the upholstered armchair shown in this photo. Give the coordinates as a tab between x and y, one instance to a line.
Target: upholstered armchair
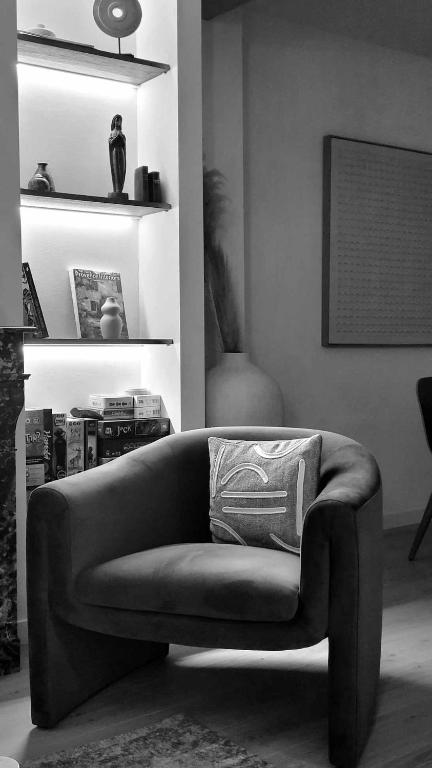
121	563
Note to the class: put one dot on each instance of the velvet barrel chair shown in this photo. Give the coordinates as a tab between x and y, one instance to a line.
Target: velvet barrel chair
120	564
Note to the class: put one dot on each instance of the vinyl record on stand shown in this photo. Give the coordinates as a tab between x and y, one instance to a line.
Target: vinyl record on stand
117	18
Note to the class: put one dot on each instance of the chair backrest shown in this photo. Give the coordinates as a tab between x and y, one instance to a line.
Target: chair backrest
424	394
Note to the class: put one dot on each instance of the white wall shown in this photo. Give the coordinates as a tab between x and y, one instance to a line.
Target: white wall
10	280
70	20
301	83
171	249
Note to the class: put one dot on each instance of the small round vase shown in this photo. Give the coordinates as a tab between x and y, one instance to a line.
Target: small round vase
42	181
111	323
238	393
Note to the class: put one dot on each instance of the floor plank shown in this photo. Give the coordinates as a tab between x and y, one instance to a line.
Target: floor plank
273	703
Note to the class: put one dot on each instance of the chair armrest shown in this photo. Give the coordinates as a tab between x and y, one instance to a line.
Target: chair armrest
131	504
342	541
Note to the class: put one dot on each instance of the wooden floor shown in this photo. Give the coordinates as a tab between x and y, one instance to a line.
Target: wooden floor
273	703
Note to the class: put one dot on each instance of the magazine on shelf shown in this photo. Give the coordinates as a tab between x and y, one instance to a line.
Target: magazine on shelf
32	311
90	290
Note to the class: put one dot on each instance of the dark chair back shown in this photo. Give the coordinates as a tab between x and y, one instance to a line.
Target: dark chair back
424	394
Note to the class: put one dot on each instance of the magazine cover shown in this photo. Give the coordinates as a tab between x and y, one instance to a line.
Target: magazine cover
90	290
32	312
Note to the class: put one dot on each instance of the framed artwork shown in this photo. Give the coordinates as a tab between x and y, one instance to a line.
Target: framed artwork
32	311
377	244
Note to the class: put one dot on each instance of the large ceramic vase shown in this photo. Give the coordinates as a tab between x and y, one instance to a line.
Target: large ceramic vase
238	393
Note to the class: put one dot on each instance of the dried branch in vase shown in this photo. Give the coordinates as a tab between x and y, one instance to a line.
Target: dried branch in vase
217	276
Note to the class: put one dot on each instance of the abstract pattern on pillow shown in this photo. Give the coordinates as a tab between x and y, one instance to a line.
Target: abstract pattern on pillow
260	490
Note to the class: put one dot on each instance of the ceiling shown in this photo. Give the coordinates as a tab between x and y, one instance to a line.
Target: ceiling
212	8
400	24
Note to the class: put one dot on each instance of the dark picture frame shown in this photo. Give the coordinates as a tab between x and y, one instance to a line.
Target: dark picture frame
377	244
32	311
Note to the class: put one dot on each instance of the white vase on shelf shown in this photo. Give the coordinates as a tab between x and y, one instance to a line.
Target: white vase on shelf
238	393
111	323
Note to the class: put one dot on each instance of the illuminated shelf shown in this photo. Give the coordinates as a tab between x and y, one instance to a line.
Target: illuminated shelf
94	342
62	201
85	60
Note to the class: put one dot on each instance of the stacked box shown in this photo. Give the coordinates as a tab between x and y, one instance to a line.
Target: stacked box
59	468
112	407
147	406
114	414
156	427
39	444
101	402
75	446
111	449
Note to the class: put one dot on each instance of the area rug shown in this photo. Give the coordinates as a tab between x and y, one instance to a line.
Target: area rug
176	742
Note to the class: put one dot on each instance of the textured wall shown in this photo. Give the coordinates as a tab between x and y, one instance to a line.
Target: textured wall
301	83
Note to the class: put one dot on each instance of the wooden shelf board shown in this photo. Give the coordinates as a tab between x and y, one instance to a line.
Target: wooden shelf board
90	204
85	60
95	342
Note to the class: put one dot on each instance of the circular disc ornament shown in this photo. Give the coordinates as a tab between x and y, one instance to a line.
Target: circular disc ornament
117	18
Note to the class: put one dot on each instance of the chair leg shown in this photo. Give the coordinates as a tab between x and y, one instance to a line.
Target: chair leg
69	664
354	632
421	530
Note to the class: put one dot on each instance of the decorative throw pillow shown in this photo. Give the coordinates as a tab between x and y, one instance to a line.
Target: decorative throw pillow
260	490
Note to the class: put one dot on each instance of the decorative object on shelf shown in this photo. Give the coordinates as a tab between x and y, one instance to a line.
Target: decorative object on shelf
42	181
111	322
238	393
32	311
90	290
154	187
141	184
117	155
41	31
117	18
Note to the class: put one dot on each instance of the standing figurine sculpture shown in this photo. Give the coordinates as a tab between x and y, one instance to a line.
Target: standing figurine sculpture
117	153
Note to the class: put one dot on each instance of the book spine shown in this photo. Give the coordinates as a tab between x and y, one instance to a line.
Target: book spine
75	446
75	303
59	445
112	449
90	443
41	330
147	401
102	402
146	413
38	437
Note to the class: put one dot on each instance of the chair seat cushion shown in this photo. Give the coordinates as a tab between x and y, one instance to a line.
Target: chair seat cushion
210	580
